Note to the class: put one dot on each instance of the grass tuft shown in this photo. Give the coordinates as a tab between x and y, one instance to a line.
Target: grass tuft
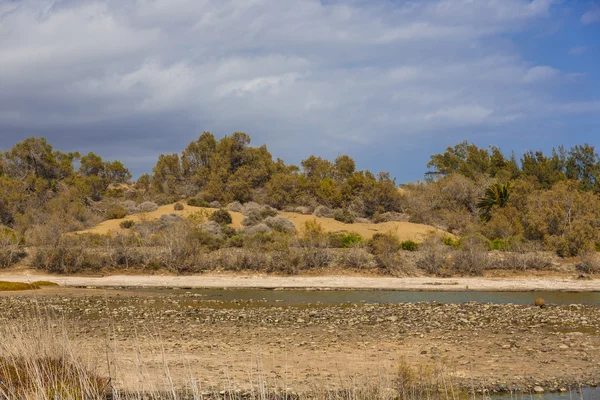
9	286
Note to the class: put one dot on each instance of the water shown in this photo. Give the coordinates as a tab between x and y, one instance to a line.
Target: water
332	297
586	394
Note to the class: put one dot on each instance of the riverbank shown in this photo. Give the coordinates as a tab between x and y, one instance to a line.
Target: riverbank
515	283
235	343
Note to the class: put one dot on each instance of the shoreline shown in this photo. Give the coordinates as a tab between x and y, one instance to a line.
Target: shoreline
330	282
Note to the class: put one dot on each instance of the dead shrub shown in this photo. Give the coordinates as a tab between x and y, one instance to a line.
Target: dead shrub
434	256
589	263
356	258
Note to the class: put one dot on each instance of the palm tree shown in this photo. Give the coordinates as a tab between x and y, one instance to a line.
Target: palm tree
496	195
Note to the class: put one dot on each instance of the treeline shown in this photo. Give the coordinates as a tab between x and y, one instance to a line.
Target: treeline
545	201
489	200
231	170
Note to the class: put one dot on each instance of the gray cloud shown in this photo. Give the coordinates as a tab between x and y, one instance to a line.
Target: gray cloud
142	77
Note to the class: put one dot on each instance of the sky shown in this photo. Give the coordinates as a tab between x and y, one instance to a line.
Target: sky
388	82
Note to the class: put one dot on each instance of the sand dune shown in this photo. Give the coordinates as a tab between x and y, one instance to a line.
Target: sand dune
404	230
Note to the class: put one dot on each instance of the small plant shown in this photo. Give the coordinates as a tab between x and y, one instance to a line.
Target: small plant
127	224
197	202
345	240
448	241
221	216
344	216
499	244
178	207
409	245
116	211
199	217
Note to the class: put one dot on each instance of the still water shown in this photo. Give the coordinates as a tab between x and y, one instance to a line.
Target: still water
585	394
298	297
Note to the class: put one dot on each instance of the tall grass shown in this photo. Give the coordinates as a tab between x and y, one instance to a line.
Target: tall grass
38	361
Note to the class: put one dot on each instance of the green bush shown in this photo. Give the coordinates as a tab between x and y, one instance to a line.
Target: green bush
197	202
448	241
409	245
236	241
127	224
221	216
499	244
344	216
116	211
178	207
344	240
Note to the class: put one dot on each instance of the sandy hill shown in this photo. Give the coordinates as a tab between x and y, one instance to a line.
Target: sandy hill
404	230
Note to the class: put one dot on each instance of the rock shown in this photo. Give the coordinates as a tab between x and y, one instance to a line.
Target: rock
538	389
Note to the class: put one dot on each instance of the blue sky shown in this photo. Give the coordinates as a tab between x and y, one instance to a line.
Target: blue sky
388	82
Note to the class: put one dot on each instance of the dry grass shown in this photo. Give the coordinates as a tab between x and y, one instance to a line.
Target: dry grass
10	286
38	361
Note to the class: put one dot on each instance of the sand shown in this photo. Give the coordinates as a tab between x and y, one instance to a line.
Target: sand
317	282
404	230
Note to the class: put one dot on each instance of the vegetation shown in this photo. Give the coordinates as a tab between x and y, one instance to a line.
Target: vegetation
485	200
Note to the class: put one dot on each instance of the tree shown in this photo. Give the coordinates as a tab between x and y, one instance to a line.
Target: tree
496	195
583	165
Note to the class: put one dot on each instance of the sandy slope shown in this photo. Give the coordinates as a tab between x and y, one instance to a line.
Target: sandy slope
332	282
404	230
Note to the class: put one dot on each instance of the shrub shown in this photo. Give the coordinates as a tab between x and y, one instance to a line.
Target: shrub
116	211
521	261
303	210
214	204
258	228
148	206
252	218
344	240
409	245
268	211
199	217
385	246
280	224
589	263
356	258
235	241
212	227
236	206
323	212
499	245
286	262
344	216
221	216
390	217
197	202
127	224
315	257
448	241
434	256
251	207
178	207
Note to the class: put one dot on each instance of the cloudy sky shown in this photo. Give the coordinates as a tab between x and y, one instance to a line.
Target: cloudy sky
388	82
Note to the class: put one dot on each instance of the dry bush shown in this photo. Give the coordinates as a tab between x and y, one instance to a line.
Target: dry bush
251	207
391	216
233	259
148	206
521	261
285	262
178	207
306	210
10	251
385	246
280	224
323	212
316	258
215	204
355	258
589	263
236	206
257	229
473	256
434	256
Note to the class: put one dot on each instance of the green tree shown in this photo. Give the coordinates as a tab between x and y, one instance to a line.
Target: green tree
496	195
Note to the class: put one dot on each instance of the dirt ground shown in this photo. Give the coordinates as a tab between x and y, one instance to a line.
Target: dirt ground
148	336
529	282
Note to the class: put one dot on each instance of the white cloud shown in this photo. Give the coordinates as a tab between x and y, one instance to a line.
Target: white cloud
591	16
540	73
577	50
349	71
